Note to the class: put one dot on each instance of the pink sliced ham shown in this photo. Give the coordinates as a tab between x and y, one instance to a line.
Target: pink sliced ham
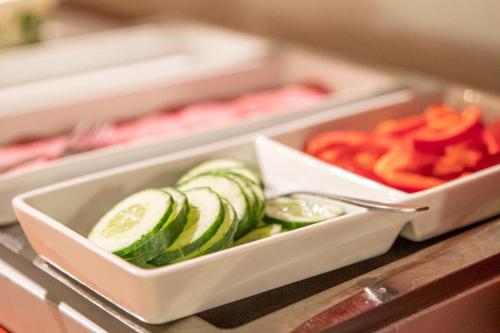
178	122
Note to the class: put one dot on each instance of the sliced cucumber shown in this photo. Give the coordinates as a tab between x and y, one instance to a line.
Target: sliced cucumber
204	218
229	190
261	201
296	212
249	195
244	172
131	224
180	211
260	233
222	239
167	234
221	163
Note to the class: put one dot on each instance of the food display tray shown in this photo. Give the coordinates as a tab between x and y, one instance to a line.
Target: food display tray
211	80
57	218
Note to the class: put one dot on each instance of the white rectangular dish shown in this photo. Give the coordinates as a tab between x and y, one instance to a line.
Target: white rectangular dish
57	218
348	82
455	204
115	61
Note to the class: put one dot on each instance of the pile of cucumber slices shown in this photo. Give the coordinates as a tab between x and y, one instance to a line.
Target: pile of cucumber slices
217	204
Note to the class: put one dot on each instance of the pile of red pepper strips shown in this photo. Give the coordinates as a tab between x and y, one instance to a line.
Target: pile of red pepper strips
417	152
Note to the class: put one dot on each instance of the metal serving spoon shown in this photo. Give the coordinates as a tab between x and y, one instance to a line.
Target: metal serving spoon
370	204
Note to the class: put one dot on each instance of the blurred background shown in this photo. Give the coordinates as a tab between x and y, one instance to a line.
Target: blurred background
454	39
457	40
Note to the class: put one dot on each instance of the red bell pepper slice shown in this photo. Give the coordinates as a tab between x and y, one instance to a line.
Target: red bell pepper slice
457	159
397	168
491	137
322	141
354	139
400	127
436	138
417	152
359	162
439	116
411	182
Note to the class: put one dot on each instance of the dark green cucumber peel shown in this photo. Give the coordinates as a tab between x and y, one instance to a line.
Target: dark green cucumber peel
223	238
210	181
249	196
228	239
169	254
258	207
165	236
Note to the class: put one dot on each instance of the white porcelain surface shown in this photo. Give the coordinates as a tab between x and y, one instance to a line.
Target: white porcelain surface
57	218
350	82
116	61
453	205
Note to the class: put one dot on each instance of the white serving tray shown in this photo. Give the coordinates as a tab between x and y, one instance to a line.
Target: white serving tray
81	68
349	81
453	205
57	218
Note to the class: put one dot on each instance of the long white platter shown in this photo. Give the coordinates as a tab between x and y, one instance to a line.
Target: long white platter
347	81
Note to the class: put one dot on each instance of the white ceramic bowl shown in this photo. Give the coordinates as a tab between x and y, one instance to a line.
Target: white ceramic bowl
453	205
57	218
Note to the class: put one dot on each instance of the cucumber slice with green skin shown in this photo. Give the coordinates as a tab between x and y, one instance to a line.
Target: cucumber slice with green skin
203	220
261	201
181	201
129	227
168	233
244	172
261	224
229	190
220	163
222	239
260	233
250	196
296	212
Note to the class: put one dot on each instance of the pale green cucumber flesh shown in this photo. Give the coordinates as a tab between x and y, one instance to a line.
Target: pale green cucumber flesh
167	234
203	220
229	190
133	222
260	233
222	239
245	172
249	195
297	212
